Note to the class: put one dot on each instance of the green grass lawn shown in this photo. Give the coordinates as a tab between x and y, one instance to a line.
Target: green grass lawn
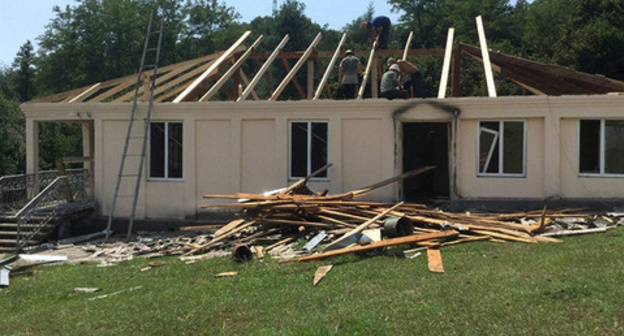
576	287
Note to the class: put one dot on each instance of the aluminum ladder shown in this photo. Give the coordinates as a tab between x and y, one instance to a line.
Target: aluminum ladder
126	175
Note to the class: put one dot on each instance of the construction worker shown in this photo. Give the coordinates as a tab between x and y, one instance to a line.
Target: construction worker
379	26
413	85
348	71
391	85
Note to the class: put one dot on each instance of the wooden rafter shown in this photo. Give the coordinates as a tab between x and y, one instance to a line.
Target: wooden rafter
263	69
294	80
231	71
330	67
291	74
212	69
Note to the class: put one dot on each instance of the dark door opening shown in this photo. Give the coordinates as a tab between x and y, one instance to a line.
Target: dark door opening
426	144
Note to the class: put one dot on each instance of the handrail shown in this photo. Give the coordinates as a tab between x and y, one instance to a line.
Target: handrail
51	203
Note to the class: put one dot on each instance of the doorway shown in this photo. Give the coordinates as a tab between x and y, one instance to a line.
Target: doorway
426	144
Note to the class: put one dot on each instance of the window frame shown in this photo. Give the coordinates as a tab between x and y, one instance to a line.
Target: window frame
166	152
500	138
601	148
309	123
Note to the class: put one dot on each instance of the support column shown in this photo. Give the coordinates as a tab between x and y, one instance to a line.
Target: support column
32	152
88	151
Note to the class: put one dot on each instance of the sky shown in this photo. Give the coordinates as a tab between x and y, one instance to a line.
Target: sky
22	20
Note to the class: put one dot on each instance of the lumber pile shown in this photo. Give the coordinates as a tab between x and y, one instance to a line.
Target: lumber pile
281	222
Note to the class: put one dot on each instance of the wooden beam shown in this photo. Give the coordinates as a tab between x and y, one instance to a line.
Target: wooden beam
361	227
165	73
375	245
246	81
447	64
84	94
330	67
487	66
369	64
456	73
296	68
295	80
231	71
263	69
212	68
407	44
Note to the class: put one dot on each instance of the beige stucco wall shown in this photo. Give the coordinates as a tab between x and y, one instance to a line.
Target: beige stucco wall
244	147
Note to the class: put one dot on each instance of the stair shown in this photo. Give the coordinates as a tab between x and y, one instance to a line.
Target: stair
8	235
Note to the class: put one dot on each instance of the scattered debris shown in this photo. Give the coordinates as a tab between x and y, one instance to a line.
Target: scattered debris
86	290
434	260
115	293
292	224
4	275
43	257
241	253
226	274
321	272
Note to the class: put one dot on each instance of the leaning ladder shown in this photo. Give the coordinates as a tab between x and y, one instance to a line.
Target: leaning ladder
133	140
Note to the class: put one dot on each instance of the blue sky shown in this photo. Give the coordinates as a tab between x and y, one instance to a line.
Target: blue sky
22	20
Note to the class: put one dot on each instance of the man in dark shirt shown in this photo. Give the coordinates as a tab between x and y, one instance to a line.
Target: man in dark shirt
379	26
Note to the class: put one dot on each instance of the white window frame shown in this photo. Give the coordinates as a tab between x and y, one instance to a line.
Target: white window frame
166	154
308	150
500	137
601	149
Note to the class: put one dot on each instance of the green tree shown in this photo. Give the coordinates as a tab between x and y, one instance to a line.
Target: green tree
25	72
586	35
12	146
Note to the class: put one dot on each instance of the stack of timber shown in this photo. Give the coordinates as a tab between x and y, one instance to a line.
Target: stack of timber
335	224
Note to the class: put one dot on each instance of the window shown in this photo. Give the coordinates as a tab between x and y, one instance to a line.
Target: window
601	147
501	148
165	150
308	148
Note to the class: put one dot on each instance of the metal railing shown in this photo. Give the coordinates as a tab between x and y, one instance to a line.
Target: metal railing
63	196
17	190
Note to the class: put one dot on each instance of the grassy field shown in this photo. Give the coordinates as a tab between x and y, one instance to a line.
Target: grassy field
576	287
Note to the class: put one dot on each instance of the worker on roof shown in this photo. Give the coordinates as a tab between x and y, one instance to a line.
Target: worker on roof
413	85
379	26
391	84
348	71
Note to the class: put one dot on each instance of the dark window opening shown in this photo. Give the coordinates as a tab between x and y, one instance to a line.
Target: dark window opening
165	150
308	148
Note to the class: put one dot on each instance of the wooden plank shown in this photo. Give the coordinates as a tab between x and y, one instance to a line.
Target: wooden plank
360	228
229	227
263	69
215	88
403	176
487	66
84	94
182	96
434	260
369	65
407	45
330	67
375	245
200	227
446	65
246	81
505	236
306	179
220	238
